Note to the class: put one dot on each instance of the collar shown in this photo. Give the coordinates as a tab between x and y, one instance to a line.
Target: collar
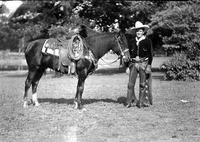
140	39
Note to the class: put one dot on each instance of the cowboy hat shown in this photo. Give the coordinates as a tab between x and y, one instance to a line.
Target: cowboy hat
139	25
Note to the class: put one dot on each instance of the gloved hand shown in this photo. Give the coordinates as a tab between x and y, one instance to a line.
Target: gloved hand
125	60
148	69
127	70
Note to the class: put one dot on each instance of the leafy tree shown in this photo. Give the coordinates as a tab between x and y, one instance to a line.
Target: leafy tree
184	19
104	13
36	18
8	37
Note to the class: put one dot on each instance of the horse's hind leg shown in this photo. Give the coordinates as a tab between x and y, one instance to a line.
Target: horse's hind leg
28	82
35	83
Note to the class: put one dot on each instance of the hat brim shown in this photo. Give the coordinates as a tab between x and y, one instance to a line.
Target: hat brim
145	27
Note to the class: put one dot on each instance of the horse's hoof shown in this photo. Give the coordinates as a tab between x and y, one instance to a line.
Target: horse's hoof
128	105
76	106
36	104
134	103
25	105
139	105
145	105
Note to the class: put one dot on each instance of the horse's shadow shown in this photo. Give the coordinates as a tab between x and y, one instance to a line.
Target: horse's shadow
120	100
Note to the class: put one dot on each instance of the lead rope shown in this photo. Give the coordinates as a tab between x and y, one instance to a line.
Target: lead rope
122	52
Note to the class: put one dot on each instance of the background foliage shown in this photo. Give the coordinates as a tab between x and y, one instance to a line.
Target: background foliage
35	18
181	68
184	18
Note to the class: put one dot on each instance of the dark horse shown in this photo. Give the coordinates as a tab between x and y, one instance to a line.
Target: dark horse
98	44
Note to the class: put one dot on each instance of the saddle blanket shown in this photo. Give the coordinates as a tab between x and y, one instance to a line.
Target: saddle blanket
51	47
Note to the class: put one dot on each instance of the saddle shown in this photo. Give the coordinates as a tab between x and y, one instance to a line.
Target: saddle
67	50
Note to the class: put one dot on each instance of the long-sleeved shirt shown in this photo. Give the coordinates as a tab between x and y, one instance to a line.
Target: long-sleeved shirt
145	49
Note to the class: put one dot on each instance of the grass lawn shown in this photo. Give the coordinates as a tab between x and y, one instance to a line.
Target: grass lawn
173	117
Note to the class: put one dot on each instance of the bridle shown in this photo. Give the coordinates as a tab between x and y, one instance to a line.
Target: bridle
122	52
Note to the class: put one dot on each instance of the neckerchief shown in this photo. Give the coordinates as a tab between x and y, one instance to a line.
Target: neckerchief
137	43
138	40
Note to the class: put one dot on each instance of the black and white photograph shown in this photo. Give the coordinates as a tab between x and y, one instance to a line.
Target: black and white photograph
99	71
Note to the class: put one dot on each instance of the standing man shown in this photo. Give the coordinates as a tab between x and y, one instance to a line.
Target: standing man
141	54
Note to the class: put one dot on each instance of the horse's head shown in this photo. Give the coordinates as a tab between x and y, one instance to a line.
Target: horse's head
122	46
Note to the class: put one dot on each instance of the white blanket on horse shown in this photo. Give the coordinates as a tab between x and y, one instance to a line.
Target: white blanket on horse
47	47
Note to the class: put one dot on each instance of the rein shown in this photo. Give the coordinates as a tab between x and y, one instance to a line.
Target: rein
120	48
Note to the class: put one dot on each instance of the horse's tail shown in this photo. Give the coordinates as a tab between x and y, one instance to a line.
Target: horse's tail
27	46
28	41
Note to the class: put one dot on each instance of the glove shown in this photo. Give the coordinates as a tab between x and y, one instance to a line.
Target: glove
127	70
125	60
148	69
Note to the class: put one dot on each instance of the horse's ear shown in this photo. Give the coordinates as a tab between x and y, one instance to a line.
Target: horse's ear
122	30
122	34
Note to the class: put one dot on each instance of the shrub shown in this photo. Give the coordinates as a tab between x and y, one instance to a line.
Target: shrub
181	68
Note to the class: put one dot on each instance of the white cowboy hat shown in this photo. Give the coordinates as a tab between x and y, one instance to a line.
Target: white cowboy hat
139	25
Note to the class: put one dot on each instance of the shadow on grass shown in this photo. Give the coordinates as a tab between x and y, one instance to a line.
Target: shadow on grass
120	100
155	75
110	71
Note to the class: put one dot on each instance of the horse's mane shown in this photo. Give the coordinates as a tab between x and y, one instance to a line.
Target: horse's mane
86	31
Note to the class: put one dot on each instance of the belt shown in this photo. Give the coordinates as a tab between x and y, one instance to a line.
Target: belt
140	60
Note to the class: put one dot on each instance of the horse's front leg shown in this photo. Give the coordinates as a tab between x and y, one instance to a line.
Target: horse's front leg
80	88
28	84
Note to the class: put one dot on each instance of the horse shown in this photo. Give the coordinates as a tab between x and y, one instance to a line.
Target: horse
97	43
